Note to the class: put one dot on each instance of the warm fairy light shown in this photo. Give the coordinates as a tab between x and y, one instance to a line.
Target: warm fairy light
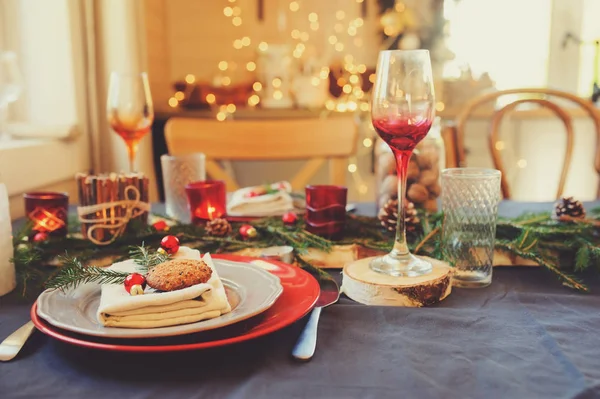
367	142
257	86
221	116
362	68
338	27
359	1
332	39
210	98
277	94
226	81
340	14
313	17
352	168
499	145
358	93
300	47
352	31
263	46
295	34
173	102
364	107
341	82
324	73
189	78
228	11
251	66
314	25
246	41
304	36
294	6
330	105
389	30
276	83
237	44
315	81
236	21
400	6
358	22
349	67
341	107
179	95
347	89
440	106
352	105
372	78
339	47
253	100
353	79
348	58
223	65
297	54
522	163
231	108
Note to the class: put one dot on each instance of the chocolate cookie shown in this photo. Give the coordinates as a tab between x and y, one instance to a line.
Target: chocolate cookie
178	274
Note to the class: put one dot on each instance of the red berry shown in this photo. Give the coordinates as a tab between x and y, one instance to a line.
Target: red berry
247	231
170	244
134	279
289	218
40	237
161	225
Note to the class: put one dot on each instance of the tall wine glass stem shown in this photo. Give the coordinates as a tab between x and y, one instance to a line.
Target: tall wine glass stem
132	147
400	249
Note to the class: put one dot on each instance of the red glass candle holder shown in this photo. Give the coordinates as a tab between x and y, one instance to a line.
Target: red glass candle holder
207	200
326	210
48	212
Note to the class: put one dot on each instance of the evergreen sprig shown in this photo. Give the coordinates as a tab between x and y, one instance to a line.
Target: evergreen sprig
146	258
74	273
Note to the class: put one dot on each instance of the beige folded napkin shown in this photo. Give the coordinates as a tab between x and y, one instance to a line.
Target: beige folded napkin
244	203
161	309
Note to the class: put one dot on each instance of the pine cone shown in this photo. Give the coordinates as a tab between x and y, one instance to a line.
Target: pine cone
218	227
568	208
388	215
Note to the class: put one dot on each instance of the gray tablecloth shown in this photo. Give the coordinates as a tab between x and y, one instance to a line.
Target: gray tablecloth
525	336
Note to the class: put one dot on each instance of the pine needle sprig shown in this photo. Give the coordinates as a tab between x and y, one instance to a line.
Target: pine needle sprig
73	273
146	259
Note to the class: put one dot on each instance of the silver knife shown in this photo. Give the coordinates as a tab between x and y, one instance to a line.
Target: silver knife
305	347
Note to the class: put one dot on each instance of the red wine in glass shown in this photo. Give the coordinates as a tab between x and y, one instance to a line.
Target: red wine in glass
402	111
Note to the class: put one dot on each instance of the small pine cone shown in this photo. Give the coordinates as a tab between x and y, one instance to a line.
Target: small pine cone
568	208
388	215
218	227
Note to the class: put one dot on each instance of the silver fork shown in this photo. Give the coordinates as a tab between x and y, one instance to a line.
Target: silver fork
10	347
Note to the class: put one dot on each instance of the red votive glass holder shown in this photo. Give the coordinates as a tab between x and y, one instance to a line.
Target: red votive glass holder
207	200
326	210
48	212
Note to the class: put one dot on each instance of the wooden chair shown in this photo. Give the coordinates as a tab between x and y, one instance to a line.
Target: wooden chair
318	140
454	134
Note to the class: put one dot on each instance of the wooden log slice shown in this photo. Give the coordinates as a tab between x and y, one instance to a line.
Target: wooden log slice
368	287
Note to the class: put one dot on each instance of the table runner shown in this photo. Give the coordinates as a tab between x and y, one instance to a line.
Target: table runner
525	336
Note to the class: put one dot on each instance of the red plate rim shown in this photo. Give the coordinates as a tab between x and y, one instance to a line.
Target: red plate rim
47	329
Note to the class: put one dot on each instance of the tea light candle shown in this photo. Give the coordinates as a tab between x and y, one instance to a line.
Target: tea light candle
48	212
283	254
7	268
207	200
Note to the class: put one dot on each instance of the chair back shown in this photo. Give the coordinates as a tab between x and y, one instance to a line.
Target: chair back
317	139
454	135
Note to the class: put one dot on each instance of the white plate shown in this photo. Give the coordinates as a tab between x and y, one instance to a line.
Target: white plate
250	290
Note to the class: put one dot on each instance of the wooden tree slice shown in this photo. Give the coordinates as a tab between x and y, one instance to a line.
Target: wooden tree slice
366	286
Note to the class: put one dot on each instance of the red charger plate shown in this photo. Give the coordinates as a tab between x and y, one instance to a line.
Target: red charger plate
300	293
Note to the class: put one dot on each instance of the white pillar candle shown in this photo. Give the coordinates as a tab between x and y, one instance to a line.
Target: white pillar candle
7	269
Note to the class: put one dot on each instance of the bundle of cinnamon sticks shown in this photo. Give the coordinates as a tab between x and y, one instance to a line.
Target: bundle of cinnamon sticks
109	189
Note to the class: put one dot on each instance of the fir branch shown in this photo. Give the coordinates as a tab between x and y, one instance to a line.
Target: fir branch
428	237
146	259
73	273
582	258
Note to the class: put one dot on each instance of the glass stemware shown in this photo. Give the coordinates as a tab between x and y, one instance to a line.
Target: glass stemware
10	86
402	111
129	109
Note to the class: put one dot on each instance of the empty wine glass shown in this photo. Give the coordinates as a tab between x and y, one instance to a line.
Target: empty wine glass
402	111
10	86
129	109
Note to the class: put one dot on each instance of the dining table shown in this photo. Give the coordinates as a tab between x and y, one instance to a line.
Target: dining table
524	336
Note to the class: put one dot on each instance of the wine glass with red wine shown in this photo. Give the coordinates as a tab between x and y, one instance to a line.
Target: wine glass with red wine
402	111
